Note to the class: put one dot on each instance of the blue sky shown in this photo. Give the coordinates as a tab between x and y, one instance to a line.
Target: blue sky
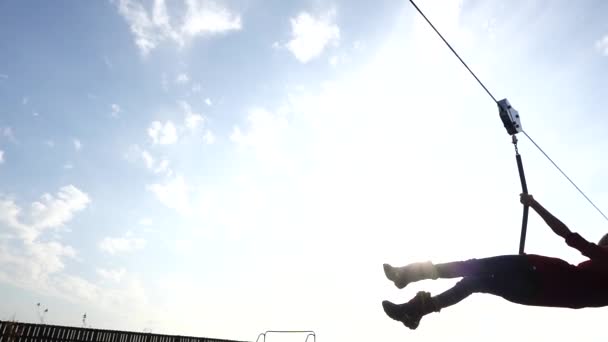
223	168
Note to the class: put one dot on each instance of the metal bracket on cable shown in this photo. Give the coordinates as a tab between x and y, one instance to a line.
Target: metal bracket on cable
510	119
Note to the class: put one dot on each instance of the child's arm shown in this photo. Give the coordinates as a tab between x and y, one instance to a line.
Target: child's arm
588	249
553	222
574	240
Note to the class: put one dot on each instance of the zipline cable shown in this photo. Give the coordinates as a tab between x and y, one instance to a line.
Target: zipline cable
494	99
454	51
564	174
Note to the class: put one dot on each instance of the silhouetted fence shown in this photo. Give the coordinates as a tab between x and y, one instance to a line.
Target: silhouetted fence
28	332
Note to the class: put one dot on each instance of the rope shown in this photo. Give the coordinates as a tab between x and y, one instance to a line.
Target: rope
565	175
494	99
454	51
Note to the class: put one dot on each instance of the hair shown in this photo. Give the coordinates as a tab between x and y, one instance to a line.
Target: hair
604	241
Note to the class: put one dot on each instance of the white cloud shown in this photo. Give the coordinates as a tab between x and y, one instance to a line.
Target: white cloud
54	211
163	167
68	166
7	132
40	268
182	78
51	211
264	131
334	60
196	88
144	30
39	265
311	35
208	102
25	100
50	143
1	157
120	245
209	137
115	108
156	167
174	194
266	136
4	76
130	296
160	17
602	45
151	29
163	134
148	159
146	221
77	144
115	275
193	120
151	163
207	17
75	287
9	213
30	263
236	136
26	261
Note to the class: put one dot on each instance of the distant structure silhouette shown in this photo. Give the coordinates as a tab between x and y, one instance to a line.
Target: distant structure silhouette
17	331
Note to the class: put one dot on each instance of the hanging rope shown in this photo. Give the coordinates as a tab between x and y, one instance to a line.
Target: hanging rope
494	99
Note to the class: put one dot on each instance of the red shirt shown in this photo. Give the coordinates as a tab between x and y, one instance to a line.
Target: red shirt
566	285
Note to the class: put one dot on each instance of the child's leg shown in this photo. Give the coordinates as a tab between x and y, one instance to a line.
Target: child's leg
518	287
503	264
411	313
402	276
517	284
463	289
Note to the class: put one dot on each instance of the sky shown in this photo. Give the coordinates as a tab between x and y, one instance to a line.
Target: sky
223	168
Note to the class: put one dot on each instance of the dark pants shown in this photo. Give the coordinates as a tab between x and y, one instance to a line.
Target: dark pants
509	276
